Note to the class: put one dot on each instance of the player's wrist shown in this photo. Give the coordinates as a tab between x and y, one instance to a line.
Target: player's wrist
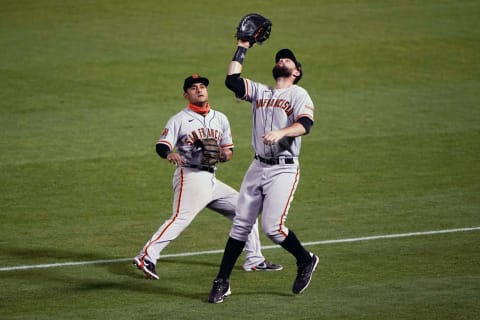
239	55
243	43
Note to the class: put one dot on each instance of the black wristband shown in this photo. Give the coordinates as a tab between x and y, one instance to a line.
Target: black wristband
239	55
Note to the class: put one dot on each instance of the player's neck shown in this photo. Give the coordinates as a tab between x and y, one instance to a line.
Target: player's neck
283	83
203	109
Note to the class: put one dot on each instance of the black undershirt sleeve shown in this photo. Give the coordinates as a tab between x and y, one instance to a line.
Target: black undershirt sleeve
306	122
162	150
235	83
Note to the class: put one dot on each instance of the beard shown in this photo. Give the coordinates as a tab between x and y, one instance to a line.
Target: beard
281	72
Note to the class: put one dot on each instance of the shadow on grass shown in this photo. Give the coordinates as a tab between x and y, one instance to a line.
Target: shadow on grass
179	277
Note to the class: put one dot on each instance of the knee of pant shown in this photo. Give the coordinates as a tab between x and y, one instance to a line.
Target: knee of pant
277	238
275	235
240	232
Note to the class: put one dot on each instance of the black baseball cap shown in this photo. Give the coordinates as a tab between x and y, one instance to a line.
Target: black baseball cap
194	78
287	53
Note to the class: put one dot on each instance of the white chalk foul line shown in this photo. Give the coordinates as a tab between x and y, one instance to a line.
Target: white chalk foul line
186	254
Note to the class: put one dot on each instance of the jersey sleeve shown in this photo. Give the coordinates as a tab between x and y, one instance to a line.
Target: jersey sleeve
251	90
227	140
169	134
303	106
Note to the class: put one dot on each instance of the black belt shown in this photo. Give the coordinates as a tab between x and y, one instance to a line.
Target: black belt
203	168
273	161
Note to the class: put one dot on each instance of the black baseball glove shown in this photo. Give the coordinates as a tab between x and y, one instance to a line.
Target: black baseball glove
254	28
211	151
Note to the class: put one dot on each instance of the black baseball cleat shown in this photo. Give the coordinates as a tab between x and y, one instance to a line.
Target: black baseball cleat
304	275
147	266
265	266
220	290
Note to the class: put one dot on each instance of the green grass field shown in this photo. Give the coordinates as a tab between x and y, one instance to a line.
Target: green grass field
86	87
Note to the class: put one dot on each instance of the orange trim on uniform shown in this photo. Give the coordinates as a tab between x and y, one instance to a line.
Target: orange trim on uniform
288	204
177	211
179	193
165	142
304	115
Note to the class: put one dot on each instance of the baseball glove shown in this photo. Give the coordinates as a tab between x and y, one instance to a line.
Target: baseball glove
254	28
211	151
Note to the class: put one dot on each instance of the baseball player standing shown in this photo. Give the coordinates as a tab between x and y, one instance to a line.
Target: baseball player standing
202	137
281	115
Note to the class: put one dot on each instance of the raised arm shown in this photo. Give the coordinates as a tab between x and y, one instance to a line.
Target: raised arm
236	65
233	81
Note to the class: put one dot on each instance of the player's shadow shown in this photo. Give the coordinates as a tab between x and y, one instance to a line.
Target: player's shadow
129	277
169	284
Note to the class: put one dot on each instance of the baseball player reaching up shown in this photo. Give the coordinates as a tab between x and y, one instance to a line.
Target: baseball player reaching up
281	115
202	138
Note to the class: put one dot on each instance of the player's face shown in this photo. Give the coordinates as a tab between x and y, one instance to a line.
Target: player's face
287	63
284	68
197	94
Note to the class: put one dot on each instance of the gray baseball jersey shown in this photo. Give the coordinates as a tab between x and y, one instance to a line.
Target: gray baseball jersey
187	126
275	109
